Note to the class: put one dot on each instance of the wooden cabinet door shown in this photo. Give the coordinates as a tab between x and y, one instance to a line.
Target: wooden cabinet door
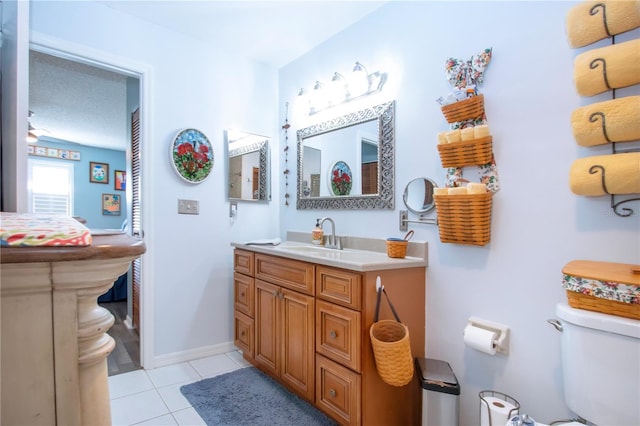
266	326
243	294
244	334
298	330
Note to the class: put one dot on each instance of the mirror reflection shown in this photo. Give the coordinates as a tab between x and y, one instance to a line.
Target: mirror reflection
248	171
348	162
418	195
351	158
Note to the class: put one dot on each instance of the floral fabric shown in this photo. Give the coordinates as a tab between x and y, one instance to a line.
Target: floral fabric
461	73
29	230
609	290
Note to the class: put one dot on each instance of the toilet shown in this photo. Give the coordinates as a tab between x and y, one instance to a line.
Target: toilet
600	365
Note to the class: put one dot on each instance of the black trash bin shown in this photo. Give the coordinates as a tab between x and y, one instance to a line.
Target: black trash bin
440	392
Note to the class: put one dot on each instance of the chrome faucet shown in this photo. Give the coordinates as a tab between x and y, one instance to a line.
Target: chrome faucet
332	242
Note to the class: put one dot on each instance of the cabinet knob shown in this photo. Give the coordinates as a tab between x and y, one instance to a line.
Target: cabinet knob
242	294
242	333
333	334
332	393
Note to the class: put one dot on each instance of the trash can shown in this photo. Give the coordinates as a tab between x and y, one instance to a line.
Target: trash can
440	392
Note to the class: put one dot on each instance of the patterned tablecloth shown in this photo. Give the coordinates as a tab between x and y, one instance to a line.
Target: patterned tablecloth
31	229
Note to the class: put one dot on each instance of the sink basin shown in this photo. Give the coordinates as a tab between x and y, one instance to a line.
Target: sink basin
309	249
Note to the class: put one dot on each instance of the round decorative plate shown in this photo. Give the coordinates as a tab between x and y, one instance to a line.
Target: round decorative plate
192	155
340	178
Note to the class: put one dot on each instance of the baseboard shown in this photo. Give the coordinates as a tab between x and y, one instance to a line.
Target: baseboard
191	354
128	323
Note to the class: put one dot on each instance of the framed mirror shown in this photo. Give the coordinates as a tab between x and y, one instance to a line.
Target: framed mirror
348	162
247	166
418	195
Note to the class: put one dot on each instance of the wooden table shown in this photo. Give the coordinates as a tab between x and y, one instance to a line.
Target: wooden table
54	345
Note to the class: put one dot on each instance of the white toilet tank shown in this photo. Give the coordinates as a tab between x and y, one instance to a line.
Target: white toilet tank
601	366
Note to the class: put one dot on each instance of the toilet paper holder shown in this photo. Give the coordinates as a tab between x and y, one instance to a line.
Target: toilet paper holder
502	332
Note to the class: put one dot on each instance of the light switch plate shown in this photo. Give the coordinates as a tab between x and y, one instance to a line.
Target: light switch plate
188	207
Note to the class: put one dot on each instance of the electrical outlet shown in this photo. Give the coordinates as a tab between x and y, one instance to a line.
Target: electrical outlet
188	206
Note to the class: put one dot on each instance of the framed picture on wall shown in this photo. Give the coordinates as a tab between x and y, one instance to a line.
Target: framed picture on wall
98	172
111	204
120	183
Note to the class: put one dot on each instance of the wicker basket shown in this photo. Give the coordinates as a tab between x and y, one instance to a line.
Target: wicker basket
467	109
464	219
605	306
397	248
466	153
609	274
392	351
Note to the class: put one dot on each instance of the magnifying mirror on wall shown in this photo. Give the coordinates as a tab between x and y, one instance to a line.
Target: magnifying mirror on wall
418	195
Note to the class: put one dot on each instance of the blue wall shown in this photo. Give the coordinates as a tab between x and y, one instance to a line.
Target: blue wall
87	199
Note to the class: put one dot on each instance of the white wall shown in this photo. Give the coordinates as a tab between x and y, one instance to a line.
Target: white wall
188	257
538	225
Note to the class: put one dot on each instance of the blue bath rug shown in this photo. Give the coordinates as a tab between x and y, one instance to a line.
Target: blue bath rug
248	397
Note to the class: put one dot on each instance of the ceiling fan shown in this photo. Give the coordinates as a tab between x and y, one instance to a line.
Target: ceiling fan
34	134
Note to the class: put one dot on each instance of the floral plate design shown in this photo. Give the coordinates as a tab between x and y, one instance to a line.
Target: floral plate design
192	155
340	178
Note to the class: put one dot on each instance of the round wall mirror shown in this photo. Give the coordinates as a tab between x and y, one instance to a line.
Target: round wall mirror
418	195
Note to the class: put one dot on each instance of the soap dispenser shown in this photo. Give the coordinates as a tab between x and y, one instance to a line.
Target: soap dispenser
317	234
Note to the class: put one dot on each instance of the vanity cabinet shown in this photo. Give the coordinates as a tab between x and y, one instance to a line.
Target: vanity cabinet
311	325
278	334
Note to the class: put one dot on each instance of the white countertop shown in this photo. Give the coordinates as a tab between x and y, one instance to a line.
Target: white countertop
358	254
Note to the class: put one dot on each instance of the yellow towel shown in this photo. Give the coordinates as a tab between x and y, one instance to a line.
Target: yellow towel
611	67
621	174
610	121
588	22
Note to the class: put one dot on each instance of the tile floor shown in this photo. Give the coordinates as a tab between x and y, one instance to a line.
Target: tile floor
153	397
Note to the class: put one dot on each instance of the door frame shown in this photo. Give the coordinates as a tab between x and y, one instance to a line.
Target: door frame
101	59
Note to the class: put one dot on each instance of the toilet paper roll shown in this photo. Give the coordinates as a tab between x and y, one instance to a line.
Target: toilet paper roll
440	191
466	134
453	136
442	137
476	188
480	131
480	339
458	190
495	411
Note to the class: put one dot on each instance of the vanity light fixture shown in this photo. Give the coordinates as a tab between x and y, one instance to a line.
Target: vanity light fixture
358	84
319	98
339	89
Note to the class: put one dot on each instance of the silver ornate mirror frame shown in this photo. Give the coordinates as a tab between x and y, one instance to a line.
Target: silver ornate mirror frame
263	173
384	198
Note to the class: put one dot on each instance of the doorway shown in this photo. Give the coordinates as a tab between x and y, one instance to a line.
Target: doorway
54	121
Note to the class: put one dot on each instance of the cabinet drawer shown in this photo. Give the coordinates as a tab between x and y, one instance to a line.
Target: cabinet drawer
243	289
243	333
338	391
288	273
243	261
339	286
338	334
